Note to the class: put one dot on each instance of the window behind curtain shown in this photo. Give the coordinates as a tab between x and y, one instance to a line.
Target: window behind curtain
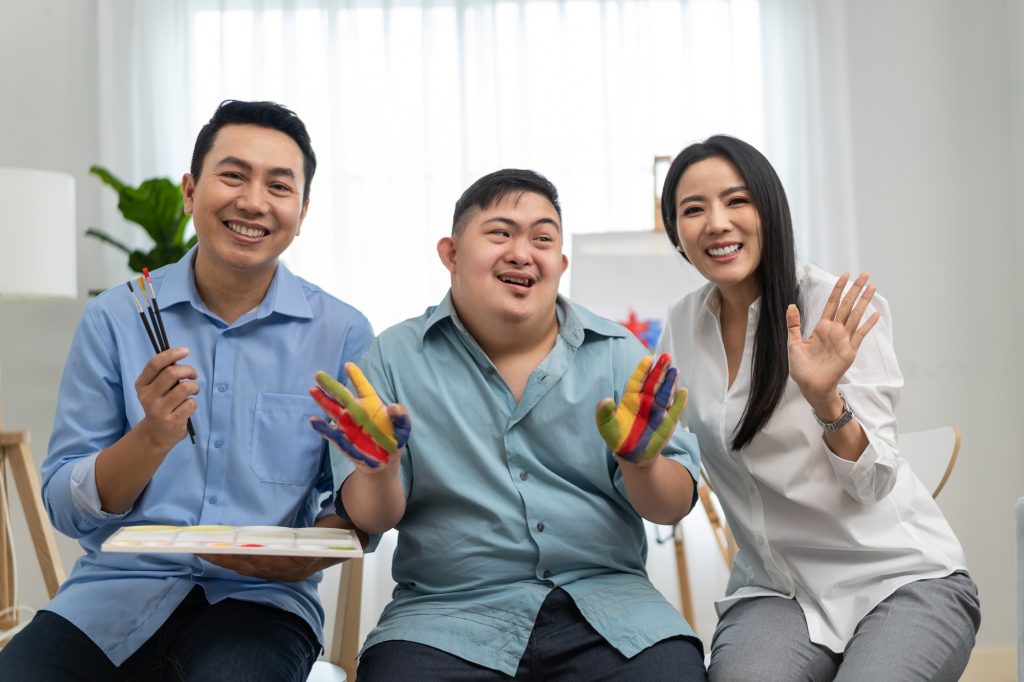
409	102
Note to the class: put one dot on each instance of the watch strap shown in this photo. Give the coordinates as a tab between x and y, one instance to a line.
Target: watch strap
839	422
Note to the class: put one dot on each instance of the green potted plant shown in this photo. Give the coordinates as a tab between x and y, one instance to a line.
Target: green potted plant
156	205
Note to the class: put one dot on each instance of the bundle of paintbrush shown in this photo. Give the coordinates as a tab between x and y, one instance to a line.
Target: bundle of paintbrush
155	324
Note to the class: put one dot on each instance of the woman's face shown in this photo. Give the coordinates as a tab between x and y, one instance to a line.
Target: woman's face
719	227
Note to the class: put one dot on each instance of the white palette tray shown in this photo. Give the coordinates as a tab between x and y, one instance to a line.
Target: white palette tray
266	540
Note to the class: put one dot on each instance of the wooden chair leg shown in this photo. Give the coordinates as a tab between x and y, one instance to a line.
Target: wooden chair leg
14	452
683	573
8	619
345	641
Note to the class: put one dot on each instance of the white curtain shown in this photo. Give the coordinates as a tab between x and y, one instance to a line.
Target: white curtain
409	102
807	131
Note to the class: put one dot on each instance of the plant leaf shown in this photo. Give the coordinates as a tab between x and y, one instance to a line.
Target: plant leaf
156	205
104	237
107	177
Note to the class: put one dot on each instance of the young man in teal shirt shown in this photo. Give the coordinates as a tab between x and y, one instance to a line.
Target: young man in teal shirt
521	544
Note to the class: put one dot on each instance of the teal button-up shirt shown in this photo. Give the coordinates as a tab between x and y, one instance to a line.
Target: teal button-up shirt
255	460
507	500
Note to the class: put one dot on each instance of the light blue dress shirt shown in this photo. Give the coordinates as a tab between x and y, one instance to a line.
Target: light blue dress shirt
256	460
508	500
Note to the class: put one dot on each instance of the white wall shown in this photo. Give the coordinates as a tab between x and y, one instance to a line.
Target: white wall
937	197
48	120
936	202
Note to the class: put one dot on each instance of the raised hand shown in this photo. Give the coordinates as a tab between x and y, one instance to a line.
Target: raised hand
363	428
638	427
819	362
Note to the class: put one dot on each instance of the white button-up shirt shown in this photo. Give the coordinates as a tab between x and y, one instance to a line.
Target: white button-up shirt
837	536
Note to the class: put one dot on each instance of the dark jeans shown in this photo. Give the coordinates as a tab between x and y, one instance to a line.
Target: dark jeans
562	646
230	640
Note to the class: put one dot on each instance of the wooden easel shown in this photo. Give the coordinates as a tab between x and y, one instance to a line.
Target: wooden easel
16	456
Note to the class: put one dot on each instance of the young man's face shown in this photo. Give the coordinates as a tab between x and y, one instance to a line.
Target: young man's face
506	261
247	204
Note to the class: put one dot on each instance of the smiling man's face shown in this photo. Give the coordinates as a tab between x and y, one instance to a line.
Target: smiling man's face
247	204
506	261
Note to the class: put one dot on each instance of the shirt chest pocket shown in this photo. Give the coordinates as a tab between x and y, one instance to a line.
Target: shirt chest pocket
285	449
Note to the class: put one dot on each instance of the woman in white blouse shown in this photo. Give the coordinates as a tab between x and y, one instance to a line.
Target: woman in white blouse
846	568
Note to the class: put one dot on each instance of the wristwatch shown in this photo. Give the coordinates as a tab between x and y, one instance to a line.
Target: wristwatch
840	421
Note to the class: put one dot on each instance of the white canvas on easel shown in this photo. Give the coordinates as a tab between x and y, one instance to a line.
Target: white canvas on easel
612	274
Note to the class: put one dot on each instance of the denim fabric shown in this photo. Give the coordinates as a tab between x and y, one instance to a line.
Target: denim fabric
229	641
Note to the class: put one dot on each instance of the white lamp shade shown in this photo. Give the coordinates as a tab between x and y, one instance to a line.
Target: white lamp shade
37	235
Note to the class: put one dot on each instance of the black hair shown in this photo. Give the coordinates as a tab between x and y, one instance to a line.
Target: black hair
776	273
265	114
493	187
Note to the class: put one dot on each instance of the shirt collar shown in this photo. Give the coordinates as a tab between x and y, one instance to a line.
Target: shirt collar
574	321
285	295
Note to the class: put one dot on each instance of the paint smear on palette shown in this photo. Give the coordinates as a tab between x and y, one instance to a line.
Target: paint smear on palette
220	539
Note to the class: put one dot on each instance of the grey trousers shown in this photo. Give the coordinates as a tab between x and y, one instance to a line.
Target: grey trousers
923	631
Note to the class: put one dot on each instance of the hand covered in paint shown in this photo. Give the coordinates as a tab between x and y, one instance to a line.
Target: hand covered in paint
362	427
637	428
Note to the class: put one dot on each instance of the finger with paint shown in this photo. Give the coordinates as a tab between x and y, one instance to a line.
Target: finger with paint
362	426
637	428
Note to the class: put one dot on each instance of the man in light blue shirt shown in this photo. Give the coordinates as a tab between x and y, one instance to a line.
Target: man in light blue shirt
521	545
251	336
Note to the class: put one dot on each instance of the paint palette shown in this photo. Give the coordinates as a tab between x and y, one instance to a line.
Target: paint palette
266	540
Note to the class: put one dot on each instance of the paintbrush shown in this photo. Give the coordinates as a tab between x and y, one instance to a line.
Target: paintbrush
159	335
142	316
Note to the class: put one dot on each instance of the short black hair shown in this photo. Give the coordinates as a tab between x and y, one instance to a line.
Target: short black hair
265	114
493	187
776	273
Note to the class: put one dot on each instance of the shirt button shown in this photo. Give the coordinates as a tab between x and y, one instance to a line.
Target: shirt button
217	443
760	540
489	370
540	527
523	475
222	387
546	574
213	499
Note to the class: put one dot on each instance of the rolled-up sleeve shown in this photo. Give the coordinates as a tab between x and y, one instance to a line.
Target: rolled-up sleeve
90	416
872	388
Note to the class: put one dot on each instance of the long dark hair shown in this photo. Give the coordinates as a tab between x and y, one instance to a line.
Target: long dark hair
776	273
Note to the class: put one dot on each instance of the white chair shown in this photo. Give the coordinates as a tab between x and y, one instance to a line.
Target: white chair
344	641
931	454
